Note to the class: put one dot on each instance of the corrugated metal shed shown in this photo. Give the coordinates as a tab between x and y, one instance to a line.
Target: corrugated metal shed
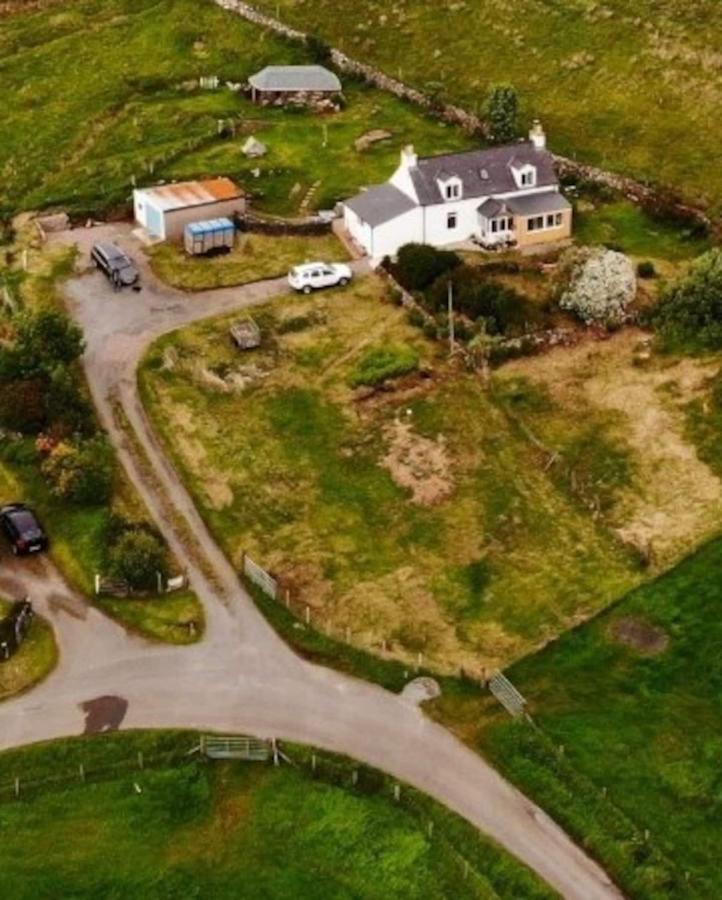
186	194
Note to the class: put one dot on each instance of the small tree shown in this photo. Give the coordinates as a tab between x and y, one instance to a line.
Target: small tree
689	313
502	113
46	338
81	472
318	49
22	405
136	557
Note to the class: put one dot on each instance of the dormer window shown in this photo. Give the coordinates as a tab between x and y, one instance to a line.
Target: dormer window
525	176
450	187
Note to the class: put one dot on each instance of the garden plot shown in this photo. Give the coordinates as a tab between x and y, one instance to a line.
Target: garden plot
429	515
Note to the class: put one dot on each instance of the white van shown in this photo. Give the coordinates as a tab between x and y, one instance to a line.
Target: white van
312	276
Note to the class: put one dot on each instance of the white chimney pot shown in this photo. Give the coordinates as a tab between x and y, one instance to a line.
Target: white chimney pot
537	135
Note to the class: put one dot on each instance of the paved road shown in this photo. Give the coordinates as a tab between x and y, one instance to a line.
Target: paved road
242	677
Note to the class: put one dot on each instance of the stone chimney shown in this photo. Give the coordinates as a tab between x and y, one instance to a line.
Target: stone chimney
409	159
537	136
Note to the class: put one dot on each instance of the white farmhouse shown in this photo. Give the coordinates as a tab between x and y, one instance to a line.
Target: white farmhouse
501	195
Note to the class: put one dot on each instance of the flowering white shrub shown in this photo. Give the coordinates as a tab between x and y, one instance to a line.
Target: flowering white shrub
601	285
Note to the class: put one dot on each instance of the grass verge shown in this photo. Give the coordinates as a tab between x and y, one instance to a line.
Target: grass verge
254	257
36	658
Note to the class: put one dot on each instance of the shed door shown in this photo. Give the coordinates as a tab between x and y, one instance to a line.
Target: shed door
154	220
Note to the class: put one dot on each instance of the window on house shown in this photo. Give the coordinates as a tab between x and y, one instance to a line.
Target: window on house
453	191
528	178
494	226
535	223
451	220
558	218
550	220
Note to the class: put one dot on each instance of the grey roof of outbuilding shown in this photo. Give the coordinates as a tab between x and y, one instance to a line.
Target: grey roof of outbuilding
531	204
482	172
295	78
380	204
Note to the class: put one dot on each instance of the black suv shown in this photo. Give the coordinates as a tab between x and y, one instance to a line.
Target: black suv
22	528
117	266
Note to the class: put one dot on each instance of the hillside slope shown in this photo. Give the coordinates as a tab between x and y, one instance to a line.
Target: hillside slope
635	87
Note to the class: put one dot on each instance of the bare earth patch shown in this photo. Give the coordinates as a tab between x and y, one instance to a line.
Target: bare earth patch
418	463
640	635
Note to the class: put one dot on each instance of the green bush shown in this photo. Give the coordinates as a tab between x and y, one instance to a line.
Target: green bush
646	269
689	313
81	472
419	265
137	557
22	405
381	363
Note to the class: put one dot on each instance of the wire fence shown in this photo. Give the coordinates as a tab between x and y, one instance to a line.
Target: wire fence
87	771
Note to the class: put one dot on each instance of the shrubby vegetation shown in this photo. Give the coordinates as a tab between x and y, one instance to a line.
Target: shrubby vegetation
419	265
81	471
601	285
689	313
137	556
381	363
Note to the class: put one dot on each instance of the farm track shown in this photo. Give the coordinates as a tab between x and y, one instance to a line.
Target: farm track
242	677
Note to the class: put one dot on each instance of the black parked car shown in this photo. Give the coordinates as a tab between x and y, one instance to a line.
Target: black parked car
22	528
117	266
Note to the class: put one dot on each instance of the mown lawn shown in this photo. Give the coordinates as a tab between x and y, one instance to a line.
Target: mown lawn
287	463
97	94
634	89
634	698
35	659
254	257
629	228
230	830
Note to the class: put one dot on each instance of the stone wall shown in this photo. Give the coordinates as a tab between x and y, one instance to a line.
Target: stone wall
660	198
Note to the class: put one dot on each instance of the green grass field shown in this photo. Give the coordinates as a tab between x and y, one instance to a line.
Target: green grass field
634	89
98	93
634	699
35	659
230	830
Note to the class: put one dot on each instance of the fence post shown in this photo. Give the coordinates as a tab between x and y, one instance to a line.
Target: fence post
313	762
17	787
159	578
397	792
97	584
308	614
140	759
81	769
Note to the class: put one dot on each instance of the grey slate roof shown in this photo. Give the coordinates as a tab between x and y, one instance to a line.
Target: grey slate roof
482	172
295	78
531	204
380	204
491	207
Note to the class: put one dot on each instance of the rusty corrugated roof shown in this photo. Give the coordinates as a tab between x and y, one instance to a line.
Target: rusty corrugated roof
193	193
